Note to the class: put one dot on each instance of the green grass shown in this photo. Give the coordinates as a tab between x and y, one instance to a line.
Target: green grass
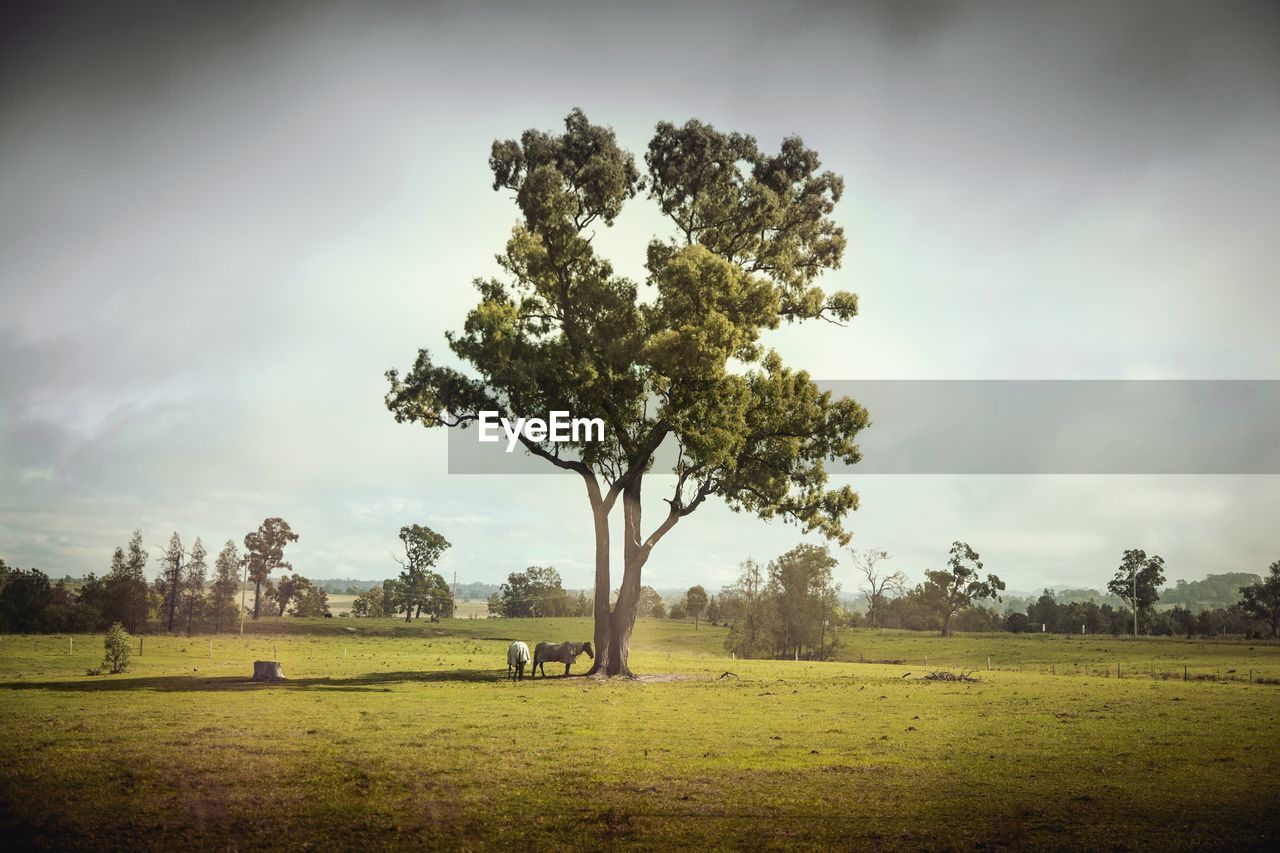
409	735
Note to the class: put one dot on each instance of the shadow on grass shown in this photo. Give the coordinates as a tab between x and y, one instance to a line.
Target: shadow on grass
373	682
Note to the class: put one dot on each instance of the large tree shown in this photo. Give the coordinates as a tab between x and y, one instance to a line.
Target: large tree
419	584
804	596
226	580
170	579
959	585
264	549
676	362
193	580
1261	600
695	601
125	586
1137	582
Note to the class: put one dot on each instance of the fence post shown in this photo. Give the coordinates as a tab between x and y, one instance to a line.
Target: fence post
1184	672
139	647
71	645
988	663
210	648
926	661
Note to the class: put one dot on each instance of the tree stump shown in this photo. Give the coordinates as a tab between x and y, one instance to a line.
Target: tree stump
267	670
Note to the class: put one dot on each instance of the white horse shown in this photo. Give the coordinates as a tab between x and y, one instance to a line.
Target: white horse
517	657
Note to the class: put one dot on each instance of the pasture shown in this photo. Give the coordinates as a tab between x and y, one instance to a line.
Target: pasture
393	735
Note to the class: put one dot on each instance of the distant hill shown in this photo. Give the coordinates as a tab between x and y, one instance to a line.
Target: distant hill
1214	591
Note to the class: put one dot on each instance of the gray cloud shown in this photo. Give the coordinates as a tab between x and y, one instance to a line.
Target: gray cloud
217	229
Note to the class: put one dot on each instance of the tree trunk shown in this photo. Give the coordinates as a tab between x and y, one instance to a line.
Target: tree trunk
267	670
600	606
946	626
257	599
613	627
634	556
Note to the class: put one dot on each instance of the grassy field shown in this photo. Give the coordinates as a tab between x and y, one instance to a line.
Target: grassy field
395	735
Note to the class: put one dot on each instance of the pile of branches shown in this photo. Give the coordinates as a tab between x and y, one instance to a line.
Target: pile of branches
949	676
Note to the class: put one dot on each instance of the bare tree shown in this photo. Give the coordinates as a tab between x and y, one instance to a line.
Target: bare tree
879	580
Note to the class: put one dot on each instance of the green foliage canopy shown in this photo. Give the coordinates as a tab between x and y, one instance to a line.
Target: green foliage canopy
677	360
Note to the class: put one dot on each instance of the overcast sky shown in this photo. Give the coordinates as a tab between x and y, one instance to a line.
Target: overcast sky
219	228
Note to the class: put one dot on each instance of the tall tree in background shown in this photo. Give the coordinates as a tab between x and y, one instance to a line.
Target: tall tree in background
804	594
879	581
1137	582
193	578
171	575
959	585
226	581
695	601
1261	600
419	585
680	364
264	549
125	586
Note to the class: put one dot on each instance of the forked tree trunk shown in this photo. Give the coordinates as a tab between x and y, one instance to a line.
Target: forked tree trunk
613	626
623	618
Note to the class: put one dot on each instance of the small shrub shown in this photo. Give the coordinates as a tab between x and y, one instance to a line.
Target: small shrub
117	646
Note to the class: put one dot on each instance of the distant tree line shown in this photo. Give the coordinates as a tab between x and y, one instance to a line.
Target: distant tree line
1254	609
188	595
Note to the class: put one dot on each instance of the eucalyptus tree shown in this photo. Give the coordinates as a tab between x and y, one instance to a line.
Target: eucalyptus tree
420	586
193	581
171	576
126	585
226	580
959	585
675	361
695	602
264	551
1137	582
